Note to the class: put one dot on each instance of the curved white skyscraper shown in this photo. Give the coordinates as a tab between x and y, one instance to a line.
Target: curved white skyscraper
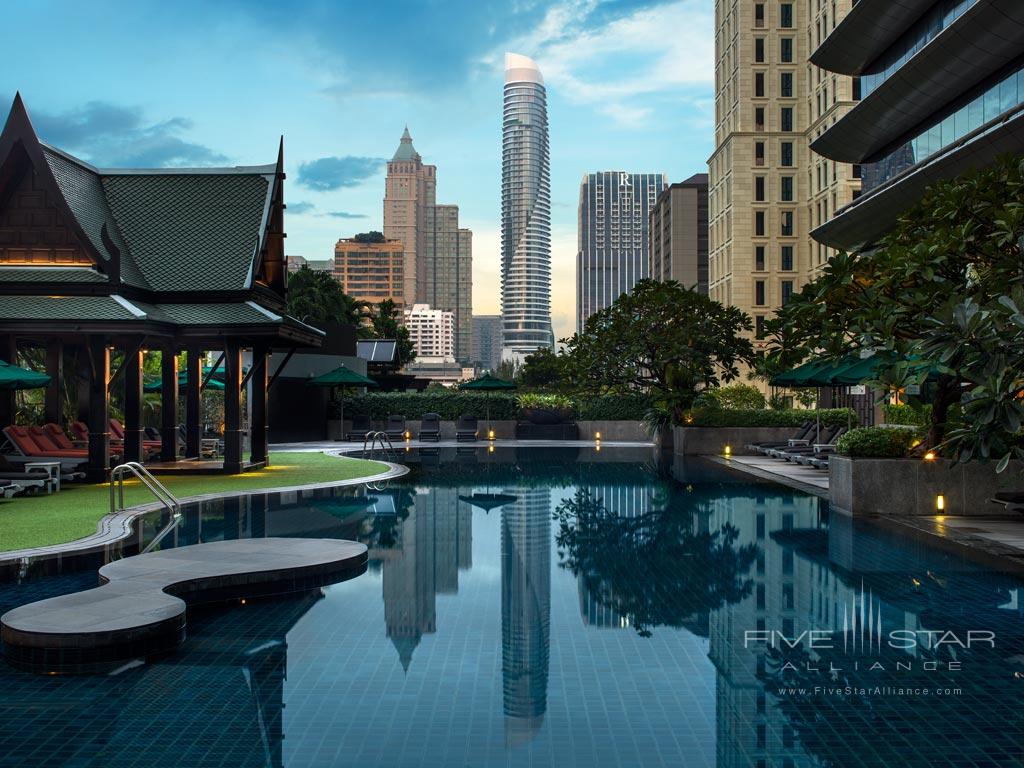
525	212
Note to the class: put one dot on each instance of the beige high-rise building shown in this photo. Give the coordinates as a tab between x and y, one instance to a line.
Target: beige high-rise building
410	187
766	189
370	270
438	253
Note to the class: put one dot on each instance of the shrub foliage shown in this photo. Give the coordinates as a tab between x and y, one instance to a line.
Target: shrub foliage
877	442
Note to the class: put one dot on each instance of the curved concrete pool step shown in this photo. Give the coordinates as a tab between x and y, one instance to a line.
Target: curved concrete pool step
139	609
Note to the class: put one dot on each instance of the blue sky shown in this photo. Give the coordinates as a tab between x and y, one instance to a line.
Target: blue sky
630	86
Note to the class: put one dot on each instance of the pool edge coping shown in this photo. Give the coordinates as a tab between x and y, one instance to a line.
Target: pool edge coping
115	527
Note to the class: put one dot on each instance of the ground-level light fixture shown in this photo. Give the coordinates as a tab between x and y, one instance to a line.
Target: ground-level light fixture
728	450
930	456
597	436
408	435
940	503
490	434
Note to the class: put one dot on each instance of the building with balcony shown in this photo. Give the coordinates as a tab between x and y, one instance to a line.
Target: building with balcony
432	331
942	89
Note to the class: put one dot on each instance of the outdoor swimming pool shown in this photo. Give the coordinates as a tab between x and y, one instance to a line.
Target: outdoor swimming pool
558	607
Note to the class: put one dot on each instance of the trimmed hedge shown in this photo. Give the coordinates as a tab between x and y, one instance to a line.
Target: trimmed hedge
905	414
877	442
714	417
448	405
612	407
451	404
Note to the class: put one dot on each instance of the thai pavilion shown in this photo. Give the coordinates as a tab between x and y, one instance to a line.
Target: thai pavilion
165	259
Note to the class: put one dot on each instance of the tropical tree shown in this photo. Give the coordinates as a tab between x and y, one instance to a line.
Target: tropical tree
386	323
922	301
542	368
658	568
663	339
316	297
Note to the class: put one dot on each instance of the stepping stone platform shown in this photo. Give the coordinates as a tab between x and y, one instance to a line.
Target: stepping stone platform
139	609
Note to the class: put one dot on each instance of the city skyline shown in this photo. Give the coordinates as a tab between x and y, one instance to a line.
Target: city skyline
621	94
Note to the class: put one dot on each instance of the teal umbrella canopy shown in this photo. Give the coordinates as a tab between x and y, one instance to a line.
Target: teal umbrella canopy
487	383
13	377
341	377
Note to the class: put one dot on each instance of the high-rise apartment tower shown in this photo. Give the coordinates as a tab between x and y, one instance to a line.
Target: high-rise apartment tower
525	212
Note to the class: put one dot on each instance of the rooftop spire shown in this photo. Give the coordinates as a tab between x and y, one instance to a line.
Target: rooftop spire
405	150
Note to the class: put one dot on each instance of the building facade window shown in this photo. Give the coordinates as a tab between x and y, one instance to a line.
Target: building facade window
759	15
758	153
759	326
759	293
759	84
786	154
759	189
759	223
786	291
786	119
759	258
786	85
786	15
786	189
787	224
759	119
786	50
786	258
759	50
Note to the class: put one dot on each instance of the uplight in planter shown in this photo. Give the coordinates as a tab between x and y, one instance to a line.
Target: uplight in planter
940	503
930	456
408	435
490	434
727	451
597	436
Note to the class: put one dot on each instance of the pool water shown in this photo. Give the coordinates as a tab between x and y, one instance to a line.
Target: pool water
558	607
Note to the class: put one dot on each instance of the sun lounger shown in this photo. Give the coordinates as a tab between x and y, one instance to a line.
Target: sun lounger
828	443
361	424
466	428
395	429
430	427
802	431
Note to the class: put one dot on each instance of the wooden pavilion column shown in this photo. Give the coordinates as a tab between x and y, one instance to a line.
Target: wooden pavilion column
133	404
168	404
259	428
232	407
98	418
9	354
52	411
194	378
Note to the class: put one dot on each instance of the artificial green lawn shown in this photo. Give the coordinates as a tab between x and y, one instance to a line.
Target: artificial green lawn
33	521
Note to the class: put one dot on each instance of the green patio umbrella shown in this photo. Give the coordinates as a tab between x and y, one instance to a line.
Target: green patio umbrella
488	383
13	377
213	382
341	376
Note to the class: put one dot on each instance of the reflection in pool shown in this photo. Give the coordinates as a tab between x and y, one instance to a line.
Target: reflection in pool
556	607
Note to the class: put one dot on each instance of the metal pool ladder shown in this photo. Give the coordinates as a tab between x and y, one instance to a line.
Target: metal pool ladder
375	439
158	489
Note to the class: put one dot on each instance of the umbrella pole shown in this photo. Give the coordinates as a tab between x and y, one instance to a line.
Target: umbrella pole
817	410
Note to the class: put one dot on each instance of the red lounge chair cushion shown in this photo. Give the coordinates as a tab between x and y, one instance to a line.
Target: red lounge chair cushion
57	435
23	440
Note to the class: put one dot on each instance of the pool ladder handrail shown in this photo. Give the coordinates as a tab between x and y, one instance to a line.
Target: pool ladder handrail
373	439
154	486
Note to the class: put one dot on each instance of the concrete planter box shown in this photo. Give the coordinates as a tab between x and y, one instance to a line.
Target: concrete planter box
503	430
626	431
711	441
908	487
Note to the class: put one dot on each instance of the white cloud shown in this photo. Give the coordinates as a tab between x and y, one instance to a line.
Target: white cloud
666	49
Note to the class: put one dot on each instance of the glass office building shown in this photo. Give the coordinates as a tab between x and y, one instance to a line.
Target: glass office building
525	212
614	212
942	85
